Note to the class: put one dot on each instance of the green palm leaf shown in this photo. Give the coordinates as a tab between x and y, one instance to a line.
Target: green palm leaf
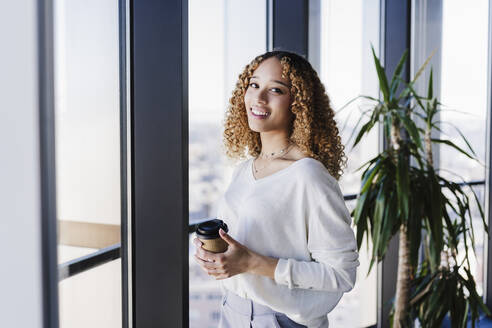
397	74
403	185
383	81
450	143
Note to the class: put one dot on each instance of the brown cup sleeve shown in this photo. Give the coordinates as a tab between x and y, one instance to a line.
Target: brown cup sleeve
217	245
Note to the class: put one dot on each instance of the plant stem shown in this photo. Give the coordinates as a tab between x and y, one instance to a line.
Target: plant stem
395	135
428	146
403	280
430	162
402	298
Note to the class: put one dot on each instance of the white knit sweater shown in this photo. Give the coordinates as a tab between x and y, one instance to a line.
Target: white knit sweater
299	216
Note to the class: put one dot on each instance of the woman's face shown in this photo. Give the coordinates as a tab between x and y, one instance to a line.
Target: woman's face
268	98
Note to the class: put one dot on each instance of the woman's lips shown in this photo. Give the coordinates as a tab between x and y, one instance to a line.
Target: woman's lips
260	117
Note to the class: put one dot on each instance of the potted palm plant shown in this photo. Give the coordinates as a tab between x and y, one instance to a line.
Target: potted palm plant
397	196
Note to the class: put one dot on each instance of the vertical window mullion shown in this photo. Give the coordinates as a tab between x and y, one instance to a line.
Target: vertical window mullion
395	38
159	125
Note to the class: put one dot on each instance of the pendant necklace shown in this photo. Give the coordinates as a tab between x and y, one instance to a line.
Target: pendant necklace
272	156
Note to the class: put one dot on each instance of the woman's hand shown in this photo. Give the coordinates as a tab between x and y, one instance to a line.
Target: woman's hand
237	259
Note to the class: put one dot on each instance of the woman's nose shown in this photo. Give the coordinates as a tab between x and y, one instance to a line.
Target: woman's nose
261	97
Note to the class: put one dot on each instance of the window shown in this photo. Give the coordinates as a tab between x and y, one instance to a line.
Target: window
87	114
347	70
224	36
464	95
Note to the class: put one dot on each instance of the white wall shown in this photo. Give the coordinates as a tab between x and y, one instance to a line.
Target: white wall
20	216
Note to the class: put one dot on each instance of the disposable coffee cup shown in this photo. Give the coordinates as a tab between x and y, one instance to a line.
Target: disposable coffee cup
208	233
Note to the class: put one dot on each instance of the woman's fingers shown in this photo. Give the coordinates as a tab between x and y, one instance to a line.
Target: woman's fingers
208	261
211	269
205	263
216	273
198	244
206	255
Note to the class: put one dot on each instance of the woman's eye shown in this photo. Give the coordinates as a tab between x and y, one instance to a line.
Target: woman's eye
255	85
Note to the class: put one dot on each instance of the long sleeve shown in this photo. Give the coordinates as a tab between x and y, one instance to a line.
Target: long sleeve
331	242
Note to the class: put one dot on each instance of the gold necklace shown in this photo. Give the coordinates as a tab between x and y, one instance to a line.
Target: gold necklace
281	152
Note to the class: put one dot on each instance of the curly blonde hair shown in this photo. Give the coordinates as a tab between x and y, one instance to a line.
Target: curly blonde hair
313	129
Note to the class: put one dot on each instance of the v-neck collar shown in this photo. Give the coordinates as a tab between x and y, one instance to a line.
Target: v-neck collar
274	174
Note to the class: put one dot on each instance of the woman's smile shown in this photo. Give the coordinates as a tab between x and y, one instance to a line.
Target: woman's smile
259	113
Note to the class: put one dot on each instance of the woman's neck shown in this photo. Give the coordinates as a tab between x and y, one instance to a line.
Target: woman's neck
273	142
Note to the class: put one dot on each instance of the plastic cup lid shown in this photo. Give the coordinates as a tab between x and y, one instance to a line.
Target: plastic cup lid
210	229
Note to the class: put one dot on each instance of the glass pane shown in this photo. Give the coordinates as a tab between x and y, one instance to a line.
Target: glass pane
223	37
347	71
464	89
87	114
92	298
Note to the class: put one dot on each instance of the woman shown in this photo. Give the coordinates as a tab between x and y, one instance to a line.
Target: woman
291	251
